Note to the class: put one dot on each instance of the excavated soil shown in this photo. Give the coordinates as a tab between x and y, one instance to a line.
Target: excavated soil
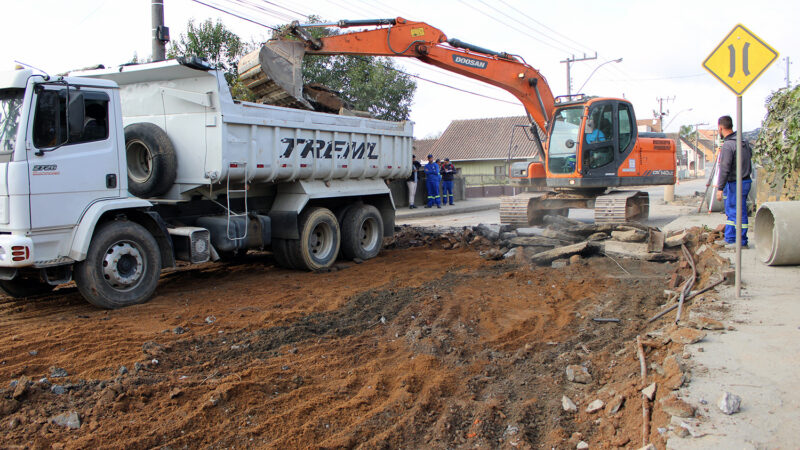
418	348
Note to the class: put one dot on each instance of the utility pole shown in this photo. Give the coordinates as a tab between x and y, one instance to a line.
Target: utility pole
788	80
571	60
160	32
697	147
661	113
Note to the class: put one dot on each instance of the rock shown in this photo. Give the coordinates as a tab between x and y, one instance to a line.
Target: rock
8	406
560	252
491	232
687	336
21	388
674	281
729	403
210	319
58	389
631	235
595	406
615	405
561	221
507	235
600	236
582	445
177	392
560	263
67	419
13	423
151	348
636	250
676	407
706	323
122	370
701	249
578	374
534	241
677	239
33	352
655	241
493	254
568	404
650	391
57	372
179	330
574	259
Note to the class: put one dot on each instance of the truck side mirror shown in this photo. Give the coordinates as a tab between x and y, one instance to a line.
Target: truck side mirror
76	114
570	143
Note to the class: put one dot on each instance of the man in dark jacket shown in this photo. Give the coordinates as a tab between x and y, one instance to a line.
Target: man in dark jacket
432	179
412	180
448	172
726	183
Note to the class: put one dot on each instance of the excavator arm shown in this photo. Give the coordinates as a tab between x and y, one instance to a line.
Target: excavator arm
403	38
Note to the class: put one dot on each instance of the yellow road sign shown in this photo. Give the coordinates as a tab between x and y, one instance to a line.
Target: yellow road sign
739	59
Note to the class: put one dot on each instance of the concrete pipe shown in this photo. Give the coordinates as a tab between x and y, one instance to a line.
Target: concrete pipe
776	233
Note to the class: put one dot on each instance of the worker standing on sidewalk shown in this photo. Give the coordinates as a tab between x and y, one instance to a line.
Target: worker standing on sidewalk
432	179
412	181
448	172
726	184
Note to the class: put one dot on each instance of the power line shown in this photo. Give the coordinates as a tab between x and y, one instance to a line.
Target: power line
235	15
523	23
546	27
514	28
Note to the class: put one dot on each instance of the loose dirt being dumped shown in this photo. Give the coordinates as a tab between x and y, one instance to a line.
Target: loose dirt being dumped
420	347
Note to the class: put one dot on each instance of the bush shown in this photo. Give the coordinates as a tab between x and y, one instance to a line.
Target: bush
778	143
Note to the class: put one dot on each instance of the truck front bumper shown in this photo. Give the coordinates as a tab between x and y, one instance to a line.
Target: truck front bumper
15	251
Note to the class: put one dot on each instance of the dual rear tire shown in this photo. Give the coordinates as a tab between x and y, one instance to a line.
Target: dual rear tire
357	235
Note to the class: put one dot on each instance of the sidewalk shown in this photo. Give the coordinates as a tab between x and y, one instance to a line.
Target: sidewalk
758	361
464	206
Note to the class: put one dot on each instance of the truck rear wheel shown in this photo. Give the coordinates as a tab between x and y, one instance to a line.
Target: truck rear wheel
25	287
122	266
152	163
319	240
362	232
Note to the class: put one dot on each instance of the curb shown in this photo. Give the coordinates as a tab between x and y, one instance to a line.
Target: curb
444	211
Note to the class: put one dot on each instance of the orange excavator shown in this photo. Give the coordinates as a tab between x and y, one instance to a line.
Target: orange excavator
589	146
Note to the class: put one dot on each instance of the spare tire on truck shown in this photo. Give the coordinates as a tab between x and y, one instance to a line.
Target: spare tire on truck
152	163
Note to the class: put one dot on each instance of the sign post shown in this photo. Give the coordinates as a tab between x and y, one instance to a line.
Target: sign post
737	62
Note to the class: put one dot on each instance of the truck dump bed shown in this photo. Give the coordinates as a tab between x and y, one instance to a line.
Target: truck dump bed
216	137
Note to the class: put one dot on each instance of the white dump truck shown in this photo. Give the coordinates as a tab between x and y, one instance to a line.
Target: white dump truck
107	176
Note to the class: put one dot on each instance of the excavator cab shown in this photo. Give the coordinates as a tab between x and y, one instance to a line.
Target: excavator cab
589	141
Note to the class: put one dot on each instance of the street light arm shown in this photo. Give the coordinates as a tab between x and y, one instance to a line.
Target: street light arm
675	117
595	70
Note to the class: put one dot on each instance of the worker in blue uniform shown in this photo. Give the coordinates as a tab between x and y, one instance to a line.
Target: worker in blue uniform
726	183
432	179
448	173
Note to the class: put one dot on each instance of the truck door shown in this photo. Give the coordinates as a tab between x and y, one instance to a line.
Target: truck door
70	171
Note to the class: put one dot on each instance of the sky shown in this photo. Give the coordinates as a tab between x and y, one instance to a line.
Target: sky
662	46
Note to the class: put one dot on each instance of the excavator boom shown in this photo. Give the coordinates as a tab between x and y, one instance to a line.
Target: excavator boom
282	59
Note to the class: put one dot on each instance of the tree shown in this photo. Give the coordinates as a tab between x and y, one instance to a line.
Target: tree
688	132
213	41
373	84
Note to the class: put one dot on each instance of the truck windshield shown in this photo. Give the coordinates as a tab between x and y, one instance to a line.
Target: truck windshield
10	106
563	145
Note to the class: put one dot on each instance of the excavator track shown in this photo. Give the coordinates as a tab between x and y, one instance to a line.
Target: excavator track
621	206
515	210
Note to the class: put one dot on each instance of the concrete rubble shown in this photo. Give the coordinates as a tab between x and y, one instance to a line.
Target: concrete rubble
729	403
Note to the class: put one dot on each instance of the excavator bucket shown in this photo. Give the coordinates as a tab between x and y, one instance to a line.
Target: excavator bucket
274	73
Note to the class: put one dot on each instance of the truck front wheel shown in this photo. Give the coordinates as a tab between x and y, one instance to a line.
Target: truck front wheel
122	266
